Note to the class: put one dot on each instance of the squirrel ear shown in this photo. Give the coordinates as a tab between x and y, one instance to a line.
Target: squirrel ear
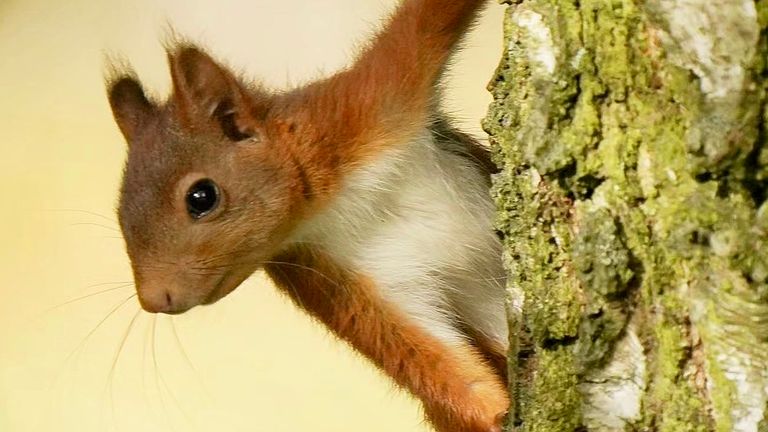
130	106
204	88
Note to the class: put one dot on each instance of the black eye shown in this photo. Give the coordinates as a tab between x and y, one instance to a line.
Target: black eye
202	198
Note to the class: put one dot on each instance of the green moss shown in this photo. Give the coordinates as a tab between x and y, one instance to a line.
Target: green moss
626	191
537	258
602	265
679	407
763	426
672	403
536	241
599	254
609	23
722	397
552	402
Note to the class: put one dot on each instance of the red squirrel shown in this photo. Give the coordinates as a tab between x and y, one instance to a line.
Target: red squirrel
353	193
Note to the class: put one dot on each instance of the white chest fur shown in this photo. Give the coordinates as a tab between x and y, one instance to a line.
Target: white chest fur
418	221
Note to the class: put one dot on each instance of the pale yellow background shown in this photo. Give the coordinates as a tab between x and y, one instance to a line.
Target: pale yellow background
256	364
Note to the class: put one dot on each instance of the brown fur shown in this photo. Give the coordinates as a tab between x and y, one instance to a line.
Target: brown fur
460	391
280	158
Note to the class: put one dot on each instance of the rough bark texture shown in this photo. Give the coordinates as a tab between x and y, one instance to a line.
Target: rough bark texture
633	205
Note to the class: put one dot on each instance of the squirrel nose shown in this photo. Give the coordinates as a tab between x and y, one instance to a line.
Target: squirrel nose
156	301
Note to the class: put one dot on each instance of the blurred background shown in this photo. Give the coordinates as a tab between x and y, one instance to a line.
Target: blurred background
75	352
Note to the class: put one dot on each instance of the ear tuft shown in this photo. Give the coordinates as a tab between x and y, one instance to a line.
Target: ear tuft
200	81
205	89
130	106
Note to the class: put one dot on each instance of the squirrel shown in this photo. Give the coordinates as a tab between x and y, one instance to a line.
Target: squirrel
355	195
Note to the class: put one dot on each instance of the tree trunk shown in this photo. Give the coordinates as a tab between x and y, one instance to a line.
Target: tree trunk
632	137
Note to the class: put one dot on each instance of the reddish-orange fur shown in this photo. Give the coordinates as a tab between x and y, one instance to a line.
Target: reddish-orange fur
387	96
308	140
460	392
331	126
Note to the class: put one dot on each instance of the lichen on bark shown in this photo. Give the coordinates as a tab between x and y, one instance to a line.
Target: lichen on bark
632	202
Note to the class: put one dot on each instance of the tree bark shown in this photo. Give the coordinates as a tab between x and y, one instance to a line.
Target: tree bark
632	136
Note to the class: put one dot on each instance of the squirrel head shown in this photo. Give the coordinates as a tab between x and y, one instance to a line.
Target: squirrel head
205	197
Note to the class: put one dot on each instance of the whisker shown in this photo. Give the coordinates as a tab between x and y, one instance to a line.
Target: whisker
156	370
148	267
143	367
296	295
96	225
78	349
99	324
214	270
109	283
341	287
344	288
109	386
86	296
218	257
83	212
221	269
234	251
210	268
159	264
186	357
159	379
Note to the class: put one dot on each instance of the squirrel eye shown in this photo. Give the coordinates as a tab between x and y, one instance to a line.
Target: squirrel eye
202	198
